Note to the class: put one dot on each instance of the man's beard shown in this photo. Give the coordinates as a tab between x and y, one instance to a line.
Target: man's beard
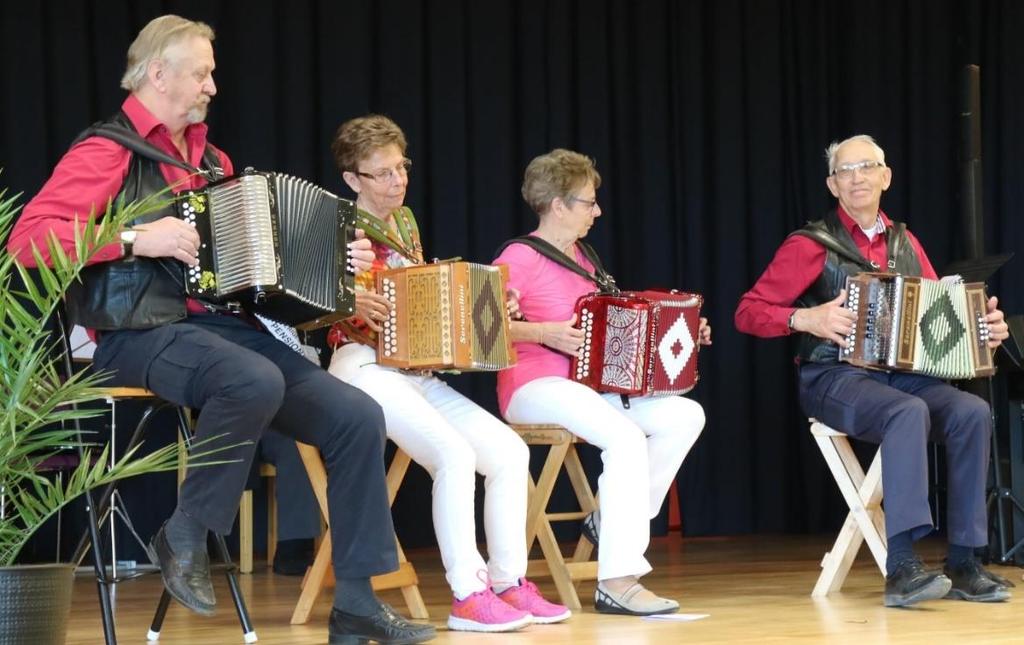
197	113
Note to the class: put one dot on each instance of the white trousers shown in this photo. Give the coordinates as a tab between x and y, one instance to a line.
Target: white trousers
453	438
642	449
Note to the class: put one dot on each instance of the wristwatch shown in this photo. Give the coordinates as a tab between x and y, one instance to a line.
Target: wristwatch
128	241
792	321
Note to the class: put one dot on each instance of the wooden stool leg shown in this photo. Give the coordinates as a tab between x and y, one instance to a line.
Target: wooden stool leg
315	576
406	578
585	498
271	519
865	521
870	492
539	527
541	493
868	498
245	533
313	582
321	574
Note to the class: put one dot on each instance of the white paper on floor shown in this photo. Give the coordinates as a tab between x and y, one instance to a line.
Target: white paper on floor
676	618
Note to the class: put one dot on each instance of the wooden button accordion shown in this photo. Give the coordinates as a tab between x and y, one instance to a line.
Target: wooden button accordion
918	325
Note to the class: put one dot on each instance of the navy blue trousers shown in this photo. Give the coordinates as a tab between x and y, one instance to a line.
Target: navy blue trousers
244	381
298	514
902	413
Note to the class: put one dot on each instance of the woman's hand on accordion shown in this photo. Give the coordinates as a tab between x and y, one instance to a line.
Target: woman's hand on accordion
167	237
360	253
512	304
562	336
997	328
830	321
704	332
372	308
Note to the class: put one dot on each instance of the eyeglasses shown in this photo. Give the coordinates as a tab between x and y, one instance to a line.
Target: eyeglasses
591	203
385	175
866	168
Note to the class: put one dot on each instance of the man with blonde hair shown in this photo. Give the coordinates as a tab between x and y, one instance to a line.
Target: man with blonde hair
802	292
202	356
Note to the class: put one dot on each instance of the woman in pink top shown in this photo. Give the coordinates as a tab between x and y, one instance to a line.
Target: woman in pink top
643	446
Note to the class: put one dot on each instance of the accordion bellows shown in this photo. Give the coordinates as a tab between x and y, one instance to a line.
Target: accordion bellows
448	315
638	343
918	325
276	244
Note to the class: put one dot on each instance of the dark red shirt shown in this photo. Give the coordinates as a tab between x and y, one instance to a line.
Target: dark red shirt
90	174
764	310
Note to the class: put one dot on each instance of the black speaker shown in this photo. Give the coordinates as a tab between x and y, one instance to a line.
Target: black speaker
971	200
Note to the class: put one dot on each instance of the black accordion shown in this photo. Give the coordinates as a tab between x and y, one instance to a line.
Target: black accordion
274	244
918	325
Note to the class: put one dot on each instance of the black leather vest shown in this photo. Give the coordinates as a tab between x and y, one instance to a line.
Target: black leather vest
138	292
839	265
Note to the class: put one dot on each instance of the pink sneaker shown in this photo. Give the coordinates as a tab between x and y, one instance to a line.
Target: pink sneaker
484	612
527	598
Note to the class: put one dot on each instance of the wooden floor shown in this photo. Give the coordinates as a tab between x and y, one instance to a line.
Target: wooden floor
756	589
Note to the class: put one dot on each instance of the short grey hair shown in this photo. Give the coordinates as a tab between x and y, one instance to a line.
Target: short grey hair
833	149
152	43
558	173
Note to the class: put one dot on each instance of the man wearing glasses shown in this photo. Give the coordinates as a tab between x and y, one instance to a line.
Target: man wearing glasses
802	291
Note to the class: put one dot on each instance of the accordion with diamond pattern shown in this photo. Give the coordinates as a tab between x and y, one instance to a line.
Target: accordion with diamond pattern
918	325
446	316
638	342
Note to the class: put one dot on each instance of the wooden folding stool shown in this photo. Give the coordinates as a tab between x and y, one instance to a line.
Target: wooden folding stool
561	453
321	574
863	494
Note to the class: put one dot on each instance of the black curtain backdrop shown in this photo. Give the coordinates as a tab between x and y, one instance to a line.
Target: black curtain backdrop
707	120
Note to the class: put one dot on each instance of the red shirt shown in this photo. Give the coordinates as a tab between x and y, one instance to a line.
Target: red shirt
90	174
764	310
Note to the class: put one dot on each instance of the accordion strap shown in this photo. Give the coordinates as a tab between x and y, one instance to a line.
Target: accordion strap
131	140
894	238
407	242
830	242
604	281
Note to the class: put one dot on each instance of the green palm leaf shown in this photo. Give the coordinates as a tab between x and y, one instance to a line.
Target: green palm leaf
38	406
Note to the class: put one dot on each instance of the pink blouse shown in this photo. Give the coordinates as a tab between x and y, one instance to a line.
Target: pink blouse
548	292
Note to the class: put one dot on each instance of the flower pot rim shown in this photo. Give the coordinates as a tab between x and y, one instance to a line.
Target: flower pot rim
37	566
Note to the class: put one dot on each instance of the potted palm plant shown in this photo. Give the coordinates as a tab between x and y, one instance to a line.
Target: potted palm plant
39	410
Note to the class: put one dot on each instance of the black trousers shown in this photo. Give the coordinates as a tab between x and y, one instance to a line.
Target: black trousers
903	412
244	381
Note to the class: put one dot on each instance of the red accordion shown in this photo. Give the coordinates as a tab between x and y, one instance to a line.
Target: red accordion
638	342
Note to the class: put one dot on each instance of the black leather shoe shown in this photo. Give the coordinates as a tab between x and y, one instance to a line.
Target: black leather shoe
910	584
998	579
293	557
972	582
186	577
385	626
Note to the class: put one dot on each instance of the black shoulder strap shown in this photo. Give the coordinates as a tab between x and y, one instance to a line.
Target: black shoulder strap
820	235
591	254
895	234
604	281
131	140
